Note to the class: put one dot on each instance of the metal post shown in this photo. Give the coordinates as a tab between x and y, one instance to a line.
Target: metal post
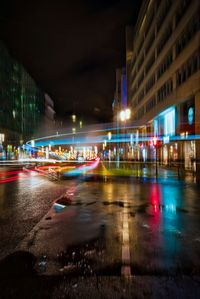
156	162
117	160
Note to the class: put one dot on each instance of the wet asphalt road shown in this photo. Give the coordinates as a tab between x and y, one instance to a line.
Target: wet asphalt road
24	199
111	226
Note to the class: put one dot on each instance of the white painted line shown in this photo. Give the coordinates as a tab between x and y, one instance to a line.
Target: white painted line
125	269
125	225
125	237
125	254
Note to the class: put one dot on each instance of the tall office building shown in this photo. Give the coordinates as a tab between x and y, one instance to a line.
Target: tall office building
21	102
49	121
163	78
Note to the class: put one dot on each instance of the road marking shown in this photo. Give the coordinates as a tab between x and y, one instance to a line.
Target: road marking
125	269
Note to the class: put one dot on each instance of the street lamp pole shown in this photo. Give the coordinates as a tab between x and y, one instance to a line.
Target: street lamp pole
117	142
156	162
124	116
155	142
109	138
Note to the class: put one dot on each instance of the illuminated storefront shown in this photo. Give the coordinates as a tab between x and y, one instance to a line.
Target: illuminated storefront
175	126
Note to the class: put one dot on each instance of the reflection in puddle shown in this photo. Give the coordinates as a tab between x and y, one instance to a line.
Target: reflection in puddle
84	259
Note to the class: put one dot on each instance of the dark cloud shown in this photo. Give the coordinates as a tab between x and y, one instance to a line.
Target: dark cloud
71	48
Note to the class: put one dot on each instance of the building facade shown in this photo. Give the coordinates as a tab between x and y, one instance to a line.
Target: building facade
21	103
163	79
49	122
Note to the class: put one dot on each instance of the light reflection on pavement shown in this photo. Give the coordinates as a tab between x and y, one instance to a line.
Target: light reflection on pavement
162	220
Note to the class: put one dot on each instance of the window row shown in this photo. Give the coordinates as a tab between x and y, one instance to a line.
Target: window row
164	13
150	63
165	64
140	112
141	96
188	34
151	104
140	62
166	35
188	69
165	90
150	83
133	91
150	42
149	22
141	78
134	104
182	8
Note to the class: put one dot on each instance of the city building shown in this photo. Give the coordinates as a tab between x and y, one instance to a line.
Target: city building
163	80
121	115
120	96
21	104
49	114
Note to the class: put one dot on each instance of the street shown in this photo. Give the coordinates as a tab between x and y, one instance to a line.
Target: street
116	226
24	199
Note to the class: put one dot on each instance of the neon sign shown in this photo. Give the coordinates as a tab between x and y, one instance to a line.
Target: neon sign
190	115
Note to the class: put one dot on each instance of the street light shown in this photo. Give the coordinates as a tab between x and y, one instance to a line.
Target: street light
109	135
125	115
109	138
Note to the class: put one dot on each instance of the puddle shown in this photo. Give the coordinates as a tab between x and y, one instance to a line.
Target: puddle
90	203
116	203
83	259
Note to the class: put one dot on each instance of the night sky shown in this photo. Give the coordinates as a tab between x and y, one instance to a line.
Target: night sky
71	48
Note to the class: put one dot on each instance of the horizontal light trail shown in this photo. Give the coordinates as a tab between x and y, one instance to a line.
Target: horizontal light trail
116	138
26	173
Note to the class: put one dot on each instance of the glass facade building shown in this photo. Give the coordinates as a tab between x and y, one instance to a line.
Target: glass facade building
21	101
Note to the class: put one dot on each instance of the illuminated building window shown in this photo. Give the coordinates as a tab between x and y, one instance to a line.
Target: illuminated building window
169	123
